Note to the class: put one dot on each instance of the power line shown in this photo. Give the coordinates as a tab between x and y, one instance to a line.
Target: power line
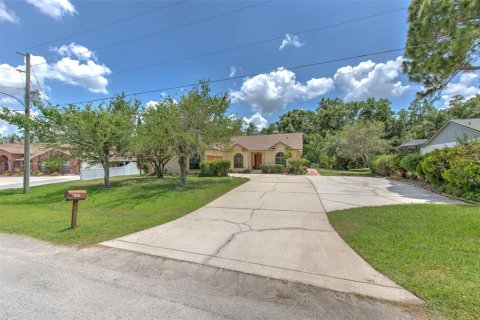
251	44
151	34
245	75
259	73
106	25
42	93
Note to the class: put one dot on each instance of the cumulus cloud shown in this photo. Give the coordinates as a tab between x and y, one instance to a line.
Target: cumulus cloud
233	71
467	86
72	70
369	79
54	8
6	14
290	40
257	119
76	51
268	92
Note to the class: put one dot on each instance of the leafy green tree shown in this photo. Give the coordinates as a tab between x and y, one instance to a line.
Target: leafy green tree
151	143
443	40
298	120
11	138
94	134
361	140
251	129
200	122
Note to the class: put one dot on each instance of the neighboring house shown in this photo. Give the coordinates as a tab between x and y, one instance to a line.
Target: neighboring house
412	145
249	152
451	132
11	159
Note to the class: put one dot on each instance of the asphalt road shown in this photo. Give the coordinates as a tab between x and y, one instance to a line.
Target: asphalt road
42	281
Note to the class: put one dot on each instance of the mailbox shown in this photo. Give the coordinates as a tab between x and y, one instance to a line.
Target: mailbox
75	195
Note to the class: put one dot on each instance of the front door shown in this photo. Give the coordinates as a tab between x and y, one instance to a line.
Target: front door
258	160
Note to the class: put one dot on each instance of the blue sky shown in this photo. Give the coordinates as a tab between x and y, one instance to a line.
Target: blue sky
24	25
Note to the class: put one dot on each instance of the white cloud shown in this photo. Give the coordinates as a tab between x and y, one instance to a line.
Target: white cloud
257	119
7	14
151	104
268	92
233	71
290	40
78	72
369	79
76	51
54	8
467	86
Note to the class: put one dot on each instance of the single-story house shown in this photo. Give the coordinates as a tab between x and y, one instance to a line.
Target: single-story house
412	145
249	152
451	132
11	159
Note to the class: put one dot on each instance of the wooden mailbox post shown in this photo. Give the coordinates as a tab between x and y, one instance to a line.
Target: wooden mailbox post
75	196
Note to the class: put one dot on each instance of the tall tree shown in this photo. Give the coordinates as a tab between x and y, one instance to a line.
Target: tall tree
151	142
443	40
361	140
200	122
298	120
251	129
95	134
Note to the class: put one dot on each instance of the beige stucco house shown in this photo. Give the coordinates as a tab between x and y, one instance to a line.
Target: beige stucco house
249	152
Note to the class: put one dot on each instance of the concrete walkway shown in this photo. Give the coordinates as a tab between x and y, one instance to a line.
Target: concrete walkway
17	182
276	226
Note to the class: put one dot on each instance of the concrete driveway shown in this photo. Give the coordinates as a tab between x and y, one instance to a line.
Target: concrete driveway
17	182
276	226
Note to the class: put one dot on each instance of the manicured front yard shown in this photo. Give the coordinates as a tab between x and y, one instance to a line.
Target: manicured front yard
432	250
131	204
352	172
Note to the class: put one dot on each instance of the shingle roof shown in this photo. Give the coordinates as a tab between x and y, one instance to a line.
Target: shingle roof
412	143
470	123
267	141
17	148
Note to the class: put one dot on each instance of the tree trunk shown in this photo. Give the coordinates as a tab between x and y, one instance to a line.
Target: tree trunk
106	176
182	161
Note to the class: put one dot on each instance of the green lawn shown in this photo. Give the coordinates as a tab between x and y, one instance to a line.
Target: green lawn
432	250
131	204
351	172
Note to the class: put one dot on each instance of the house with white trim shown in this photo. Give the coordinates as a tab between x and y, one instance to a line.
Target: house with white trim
451	132
249	152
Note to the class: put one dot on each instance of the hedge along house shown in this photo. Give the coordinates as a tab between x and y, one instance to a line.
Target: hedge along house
451	132
249	152
11	159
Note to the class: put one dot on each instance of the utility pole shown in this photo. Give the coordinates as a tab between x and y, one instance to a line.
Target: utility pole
26	150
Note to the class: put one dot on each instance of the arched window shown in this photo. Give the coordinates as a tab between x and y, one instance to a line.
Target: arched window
280	158
195	162
238	160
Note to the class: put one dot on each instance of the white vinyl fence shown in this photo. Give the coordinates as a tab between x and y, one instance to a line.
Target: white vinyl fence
96	172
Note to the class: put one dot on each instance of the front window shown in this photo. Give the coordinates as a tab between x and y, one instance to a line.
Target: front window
280	158
238	161
195	162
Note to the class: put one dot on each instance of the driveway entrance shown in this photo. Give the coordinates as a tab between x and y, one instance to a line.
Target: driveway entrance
276	226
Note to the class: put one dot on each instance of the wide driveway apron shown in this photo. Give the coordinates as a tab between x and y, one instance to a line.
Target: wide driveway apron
274	226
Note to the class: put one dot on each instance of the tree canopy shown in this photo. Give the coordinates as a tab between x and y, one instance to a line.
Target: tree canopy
443	40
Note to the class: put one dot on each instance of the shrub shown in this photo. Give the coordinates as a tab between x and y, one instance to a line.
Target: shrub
462	177
410	162
385	165
215	168
18	173
272	168
297	166
246	171
38	173
434	164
